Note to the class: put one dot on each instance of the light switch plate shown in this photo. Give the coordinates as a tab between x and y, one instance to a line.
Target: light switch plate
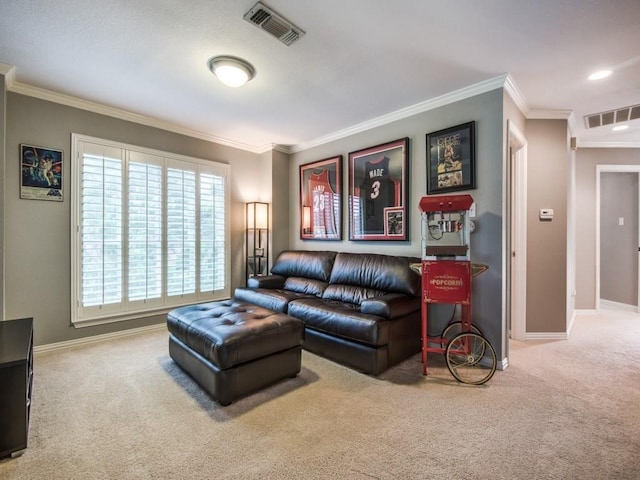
546	214
472	210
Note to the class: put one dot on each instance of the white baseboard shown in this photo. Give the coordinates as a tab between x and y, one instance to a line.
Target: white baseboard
547	336
51	347
611	305
503	364
572	321
585	312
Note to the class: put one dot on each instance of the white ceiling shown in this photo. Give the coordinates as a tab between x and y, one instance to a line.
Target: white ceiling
360	62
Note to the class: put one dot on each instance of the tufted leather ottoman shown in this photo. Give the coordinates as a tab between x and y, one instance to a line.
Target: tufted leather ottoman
234	348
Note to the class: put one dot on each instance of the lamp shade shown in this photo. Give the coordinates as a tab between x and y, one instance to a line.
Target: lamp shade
258	215
306	218
232	71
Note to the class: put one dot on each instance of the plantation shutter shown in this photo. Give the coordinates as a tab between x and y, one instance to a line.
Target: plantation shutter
212	232
181	231
150	231
101	233
144	233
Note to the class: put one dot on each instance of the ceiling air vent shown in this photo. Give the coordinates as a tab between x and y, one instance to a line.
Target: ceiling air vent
620	115
269	21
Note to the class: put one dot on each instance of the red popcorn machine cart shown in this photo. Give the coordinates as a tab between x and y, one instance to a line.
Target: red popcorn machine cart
446	272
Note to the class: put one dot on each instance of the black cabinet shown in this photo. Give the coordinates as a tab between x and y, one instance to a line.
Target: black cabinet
16	382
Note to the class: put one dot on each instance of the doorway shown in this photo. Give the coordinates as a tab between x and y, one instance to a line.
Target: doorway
516	245
617	236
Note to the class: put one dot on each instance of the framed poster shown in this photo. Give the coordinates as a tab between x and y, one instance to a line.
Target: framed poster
41	177
378	192
451	162
321	199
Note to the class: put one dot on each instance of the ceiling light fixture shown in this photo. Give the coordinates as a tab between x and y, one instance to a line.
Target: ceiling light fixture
620	127
600	75
232	71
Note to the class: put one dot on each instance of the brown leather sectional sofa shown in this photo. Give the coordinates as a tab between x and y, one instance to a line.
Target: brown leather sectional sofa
360	310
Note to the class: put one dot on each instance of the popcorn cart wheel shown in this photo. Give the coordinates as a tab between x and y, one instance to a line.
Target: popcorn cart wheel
471	359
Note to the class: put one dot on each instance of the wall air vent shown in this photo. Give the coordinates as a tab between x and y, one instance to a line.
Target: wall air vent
620	115
271	22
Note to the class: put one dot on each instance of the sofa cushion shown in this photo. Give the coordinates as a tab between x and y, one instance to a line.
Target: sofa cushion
350	293
273	299
341	319
391	305
309	286
377	272
308	264
266	281
305	285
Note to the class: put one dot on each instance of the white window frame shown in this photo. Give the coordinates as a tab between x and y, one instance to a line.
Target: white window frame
127	310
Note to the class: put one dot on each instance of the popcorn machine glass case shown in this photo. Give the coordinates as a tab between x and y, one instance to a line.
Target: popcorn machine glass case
446	228
446	272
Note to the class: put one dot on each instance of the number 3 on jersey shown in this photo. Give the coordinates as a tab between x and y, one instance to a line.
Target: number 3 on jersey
375	189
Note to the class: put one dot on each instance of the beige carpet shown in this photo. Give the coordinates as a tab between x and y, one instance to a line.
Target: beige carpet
123	409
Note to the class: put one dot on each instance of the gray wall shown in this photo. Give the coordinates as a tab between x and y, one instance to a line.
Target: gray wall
619	243
280	201
37	256
486	243
586	161
37	241
547	186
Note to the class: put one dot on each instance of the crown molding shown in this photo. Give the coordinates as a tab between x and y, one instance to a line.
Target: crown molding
516	95
512	89
4	68
442	100
280	148
503	81
102	109
549	114
8	72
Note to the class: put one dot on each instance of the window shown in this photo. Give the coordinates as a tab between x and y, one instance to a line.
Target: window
150	231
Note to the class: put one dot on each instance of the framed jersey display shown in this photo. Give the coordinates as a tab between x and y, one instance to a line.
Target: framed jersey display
378	184
321	199
451	162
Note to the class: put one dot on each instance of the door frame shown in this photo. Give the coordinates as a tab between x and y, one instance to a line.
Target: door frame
516	251
600	169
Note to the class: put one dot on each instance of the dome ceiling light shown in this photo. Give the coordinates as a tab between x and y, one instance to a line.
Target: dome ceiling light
232	71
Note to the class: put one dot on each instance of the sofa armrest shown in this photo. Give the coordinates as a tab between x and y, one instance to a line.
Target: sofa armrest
391	305
266	281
